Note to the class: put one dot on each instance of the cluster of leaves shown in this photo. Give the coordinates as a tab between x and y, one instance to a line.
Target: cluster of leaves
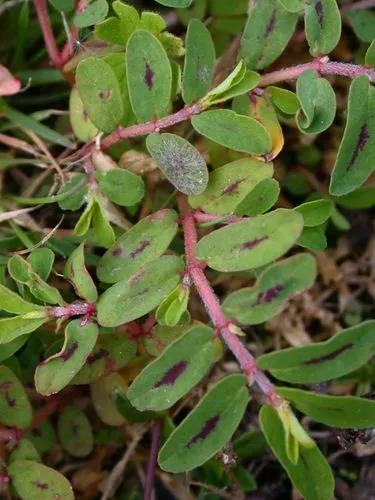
136	347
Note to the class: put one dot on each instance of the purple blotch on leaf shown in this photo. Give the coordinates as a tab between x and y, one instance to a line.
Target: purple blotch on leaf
330	356
144	244
117	251
269	295
319	12
40	485
232	187
149	76
248	245
68	353
171	375
102	353
10	401
362	139
208	427
105	94
271	25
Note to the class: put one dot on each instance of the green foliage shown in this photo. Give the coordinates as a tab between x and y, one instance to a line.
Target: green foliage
322	26
15	407
75	433
75	271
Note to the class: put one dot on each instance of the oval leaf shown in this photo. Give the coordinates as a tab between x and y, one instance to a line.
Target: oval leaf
11	302
122	187
15	407
343	353
253	242
251	306
344	412
82	126
75	271
149	76
228	185
322	26
356	156
12	328
207	428
179	368
74	431
141	293
104	393
260	199
57	371
144	242
100	92
234	131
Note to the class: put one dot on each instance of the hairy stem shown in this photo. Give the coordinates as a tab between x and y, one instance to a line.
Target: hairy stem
224	326
322	65
49	38
75	309
150	476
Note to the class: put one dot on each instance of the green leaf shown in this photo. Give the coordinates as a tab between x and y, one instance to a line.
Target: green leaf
43	437
41	260
117	30
24	450
179	4
129	413
13	303
249	445
229	185
234	131
254	305
7	350
363	23
75	271
315	212
370	55
101	226
34	481
322	26
122	187
75	190
356	156
341	354
177	370
260	199
100	92
74	431
284	100
238	82
84	222
361	198
207	428
200	61
133	297
293	5
173	306
104	394
15	407
311	475
344	412
313	238
22	272
267	32
162	336
95	12
111	352
318	103
253	242
11	328
149	76
82	126
62	5
180	162
57	371
145	241
116	61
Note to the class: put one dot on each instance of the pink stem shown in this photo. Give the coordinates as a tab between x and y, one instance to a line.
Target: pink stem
202	217
322	65
362	4
49	38
224	326
76	309
150	476
67	50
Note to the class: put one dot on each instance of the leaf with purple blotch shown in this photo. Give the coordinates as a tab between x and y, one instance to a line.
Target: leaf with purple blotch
75	432
57	371
356	156
344	412
133	297
43	437
234	131
322	26
111	352
34	481
207	428
254	242
75	271
180	162
267	32
228	185
144	242
149	76
199	63
318	103
259	303
15	407
311	364
311	474
179	368
80	122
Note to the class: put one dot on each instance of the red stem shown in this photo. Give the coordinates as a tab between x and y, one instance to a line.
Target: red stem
49	38
150	476
224	326
76	309
67	50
